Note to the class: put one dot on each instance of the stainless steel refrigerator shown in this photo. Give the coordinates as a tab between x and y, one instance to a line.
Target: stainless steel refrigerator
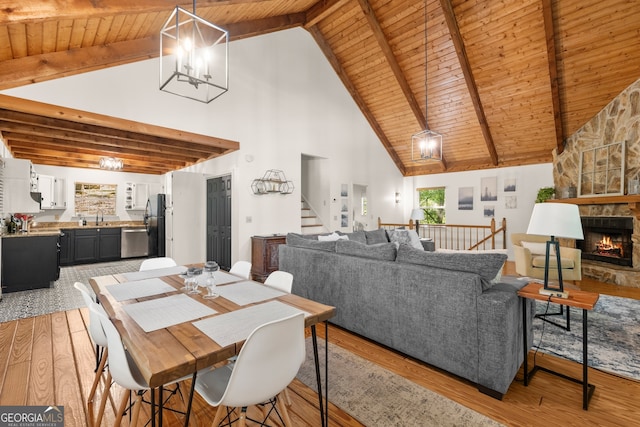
154	221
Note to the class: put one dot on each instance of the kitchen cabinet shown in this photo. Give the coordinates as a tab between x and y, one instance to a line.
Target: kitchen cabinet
66	246
52	192
264	255
19	185
136	195
30	262
96	245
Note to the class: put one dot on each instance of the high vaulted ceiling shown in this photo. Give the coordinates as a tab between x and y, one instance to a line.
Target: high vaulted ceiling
507	80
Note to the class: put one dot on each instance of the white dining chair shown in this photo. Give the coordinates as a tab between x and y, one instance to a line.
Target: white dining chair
160	262
281	280
241	268
267	363
97	334
122	370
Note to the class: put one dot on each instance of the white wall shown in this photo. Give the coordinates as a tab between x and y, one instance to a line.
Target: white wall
528	180
284	100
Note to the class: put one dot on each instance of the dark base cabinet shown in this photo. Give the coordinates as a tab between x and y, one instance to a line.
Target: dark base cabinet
66	247
264	255
90	245
29	262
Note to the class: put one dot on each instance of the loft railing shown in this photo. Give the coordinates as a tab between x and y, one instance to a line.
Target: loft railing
458	237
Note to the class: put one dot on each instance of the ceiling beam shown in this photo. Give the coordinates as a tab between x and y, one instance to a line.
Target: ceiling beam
321	10
48	66
11	103
245	29
26	12
550	36
458	43
335	63
391	59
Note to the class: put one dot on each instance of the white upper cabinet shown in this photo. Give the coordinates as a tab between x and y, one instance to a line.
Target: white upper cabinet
135	195
52	192
18	183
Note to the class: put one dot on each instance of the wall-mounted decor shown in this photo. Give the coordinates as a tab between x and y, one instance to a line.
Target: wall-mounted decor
273	181
465	198
602	170
344	190
489	211
489	189
510	202
91	199
509	185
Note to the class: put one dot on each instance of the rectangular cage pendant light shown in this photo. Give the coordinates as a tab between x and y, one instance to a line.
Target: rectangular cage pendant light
194	57
426	145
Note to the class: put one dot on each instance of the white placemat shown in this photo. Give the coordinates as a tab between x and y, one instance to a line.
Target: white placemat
156	272
168	311
229	328
139	289
223	277
247	292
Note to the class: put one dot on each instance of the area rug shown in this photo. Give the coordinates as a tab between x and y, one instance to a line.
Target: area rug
613	335
377	397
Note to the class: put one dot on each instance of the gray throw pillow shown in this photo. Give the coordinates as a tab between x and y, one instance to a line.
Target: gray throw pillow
300	241
356	236
408	237
376	236
382	251
487	265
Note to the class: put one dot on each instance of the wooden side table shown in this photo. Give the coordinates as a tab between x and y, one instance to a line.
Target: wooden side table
579	299
264	255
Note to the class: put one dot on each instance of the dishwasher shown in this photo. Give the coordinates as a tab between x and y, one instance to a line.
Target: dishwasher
134	242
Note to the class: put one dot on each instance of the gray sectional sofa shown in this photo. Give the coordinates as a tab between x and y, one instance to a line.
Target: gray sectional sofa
445	309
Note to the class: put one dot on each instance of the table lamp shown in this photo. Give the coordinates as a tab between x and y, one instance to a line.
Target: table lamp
555	220
417	215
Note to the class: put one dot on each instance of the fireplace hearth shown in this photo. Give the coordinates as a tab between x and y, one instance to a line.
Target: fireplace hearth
607	239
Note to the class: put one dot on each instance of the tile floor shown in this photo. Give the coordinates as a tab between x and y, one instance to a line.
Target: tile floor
62	296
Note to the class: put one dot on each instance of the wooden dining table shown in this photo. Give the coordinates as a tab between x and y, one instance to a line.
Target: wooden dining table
165	352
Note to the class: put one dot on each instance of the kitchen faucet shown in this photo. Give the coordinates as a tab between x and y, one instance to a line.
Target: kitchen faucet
99	211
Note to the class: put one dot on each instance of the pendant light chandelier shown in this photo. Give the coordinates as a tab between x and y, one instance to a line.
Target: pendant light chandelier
426	145
194	57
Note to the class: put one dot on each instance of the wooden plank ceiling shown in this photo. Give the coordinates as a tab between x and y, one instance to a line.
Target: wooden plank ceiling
507	81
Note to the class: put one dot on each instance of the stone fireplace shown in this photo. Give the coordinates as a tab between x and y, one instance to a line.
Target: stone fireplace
611	249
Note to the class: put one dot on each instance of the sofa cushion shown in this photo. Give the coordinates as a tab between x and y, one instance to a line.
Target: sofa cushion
539	262
294	239
381	251
486	265
538	248
376	236
408	237
356	236
332	237
482	251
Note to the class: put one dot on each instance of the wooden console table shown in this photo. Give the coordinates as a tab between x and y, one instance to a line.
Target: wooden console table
579	299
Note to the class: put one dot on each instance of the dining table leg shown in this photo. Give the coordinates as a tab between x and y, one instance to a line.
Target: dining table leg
323	403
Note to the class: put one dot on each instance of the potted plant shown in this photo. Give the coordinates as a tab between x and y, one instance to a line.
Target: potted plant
545	193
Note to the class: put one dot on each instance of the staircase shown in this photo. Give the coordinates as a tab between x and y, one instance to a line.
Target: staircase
310	222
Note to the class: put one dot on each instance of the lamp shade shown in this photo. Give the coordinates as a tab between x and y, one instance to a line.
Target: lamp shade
417	214
556	219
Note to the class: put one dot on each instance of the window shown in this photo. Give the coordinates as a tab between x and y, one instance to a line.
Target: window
432	201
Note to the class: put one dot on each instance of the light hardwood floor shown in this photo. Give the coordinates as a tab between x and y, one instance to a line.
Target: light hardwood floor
49	360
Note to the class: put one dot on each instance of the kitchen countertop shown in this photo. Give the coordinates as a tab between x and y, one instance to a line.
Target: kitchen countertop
52	229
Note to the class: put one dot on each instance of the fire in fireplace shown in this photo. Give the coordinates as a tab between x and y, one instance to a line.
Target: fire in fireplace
607	239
